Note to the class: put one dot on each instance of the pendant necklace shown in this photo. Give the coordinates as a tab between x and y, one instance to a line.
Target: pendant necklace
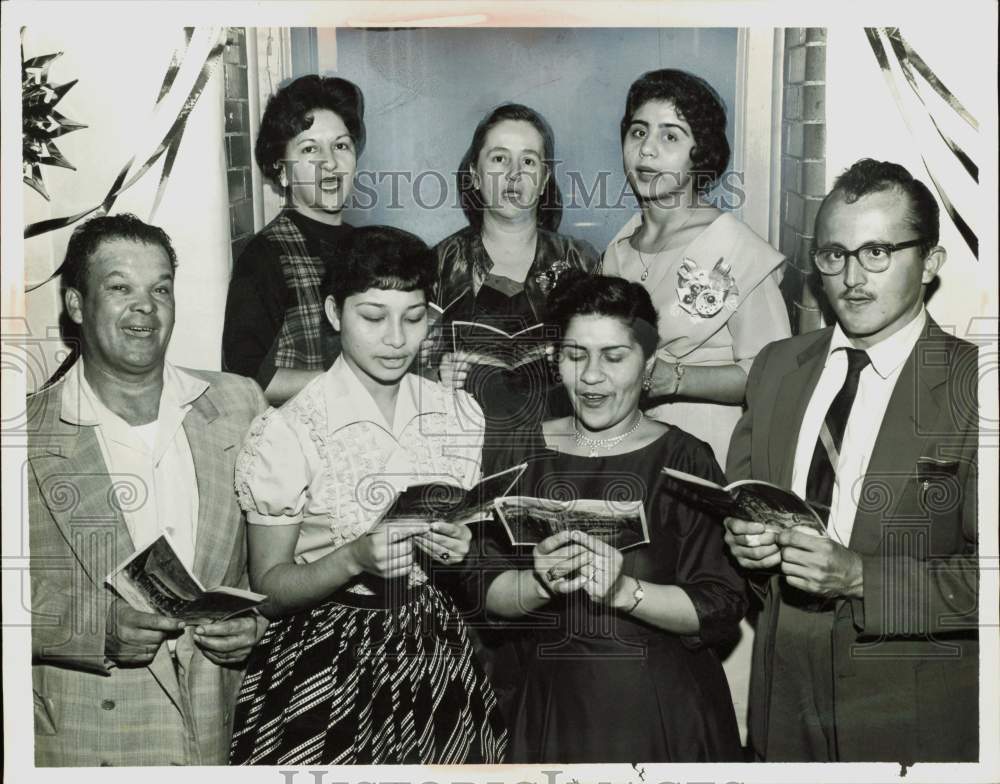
596	444
642	261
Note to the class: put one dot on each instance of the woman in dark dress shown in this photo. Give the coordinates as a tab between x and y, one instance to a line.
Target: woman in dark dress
500	268
621	668
310	137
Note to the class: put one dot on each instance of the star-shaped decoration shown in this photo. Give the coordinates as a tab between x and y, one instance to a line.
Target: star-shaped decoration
40	122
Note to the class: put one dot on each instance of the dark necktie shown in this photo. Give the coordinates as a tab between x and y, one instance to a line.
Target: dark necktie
826	455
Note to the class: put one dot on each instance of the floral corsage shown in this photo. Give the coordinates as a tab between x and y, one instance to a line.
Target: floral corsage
703	294
547	279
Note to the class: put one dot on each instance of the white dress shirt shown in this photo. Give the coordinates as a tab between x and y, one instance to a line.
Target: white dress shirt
874	390
150	465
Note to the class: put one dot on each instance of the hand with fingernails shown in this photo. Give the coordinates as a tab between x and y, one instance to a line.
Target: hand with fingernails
571	560
229	642
133	637
387	550
810	562
445	542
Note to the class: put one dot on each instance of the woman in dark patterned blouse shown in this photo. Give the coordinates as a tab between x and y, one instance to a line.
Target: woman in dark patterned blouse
500	268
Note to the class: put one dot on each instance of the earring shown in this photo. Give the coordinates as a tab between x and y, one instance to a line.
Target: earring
647	381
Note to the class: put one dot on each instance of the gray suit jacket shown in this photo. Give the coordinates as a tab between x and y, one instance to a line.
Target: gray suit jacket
177	710
906	656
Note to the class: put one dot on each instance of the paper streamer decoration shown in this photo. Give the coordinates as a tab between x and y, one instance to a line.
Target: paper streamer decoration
168	144
909	64
41	124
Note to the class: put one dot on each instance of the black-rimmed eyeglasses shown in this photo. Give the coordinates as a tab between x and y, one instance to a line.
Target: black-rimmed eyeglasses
873	256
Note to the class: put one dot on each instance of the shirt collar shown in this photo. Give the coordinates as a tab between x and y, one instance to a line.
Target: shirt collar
630	228
348	401
888	355
80	404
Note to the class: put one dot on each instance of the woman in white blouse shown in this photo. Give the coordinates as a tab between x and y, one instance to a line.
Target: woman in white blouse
366	661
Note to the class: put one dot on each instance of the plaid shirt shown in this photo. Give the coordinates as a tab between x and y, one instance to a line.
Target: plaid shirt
300	341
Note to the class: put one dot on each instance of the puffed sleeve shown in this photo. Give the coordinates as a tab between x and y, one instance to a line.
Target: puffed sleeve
704	569
272	473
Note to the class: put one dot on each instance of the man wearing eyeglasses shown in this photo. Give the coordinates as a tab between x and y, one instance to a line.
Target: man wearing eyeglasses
866	646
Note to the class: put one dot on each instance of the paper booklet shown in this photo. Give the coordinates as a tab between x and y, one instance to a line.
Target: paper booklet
155	580
438	313
530	520
750	499
450	502
492	346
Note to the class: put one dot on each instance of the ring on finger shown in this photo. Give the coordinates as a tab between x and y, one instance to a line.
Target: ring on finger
445	555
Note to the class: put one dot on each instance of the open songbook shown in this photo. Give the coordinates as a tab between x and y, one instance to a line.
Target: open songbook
439	313
155	580
622	524
450	502
751	499
492	346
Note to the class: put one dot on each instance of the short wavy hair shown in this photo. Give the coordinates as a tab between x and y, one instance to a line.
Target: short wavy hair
549	211
88	237
870	176
580	294
379	257
699	105
289	112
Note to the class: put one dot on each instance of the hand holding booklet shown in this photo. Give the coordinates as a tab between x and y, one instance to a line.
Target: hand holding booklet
751	499
155	580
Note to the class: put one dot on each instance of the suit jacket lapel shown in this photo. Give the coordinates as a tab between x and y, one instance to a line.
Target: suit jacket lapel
913	405
790	403
79	492
217	523
83	499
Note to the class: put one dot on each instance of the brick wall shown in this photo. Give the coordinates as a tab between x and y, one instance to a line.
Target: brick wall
803	166
239	156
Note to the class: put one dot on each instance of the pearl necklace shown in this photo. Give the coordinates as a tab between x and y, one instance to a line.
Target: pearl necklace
642	261
594	444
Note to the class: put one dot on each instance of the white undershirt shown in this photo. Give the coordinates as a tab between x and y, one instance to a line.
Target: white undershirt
151	466
875	387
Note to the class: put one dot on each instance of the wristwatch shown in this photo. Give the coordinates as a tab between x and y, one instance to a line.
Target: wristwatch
638	595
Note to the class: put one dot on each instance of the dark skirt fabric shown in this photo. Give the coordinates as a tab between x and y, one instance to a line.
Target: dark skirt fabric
351	682
646	698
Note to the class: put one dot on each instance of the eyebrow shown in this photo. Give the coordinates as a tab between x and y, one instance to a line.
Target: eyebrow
835	244
645	124
300	139
384	307
118	273
600	348
499	147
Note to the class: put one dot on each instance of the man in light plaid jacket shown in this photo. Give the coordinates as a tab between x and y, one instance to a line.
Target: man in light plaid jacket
123	447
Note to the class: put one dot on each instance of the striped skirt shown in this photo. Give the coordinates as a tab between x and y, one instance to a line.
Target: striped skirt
352	682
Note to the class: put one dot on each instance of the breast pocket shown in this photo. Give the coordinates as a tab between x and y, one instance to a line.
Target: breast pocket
938	487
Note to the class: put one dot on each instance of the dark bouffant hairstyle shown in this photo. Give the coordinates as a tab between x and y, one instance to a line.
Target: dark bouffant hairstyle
88	236
699	105
580	294
289	112
380	257
549	211
871	176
